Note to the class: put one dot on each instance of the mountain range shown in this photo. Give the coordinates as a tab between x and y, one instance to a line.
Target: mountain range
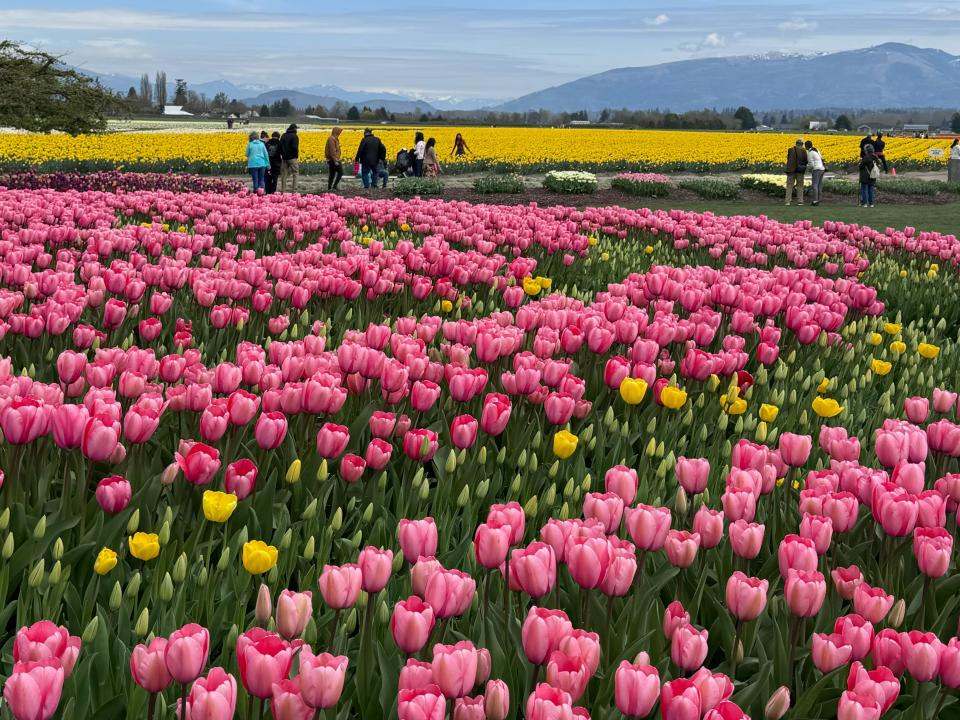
885	76
892	75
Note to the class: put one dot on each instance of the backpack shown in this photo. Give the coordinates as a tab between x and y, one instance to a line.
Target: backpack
273	151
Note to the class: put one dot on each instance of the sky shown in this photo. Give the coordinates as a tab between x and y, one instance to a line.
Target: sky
466	49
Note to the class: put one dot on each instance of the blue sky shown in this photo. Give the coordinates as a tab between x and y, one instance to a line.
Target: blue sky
473	48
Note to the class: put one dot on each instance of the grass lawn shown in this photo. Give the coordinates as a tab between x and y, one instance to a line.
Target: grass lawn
940	218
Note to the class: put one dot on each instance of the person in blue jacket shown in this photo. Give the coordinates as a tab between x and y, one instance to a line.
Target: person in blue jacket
257	162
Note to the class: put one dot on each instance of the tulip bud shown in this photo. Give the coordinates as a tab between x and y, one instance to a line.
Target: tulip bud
36	574
293	472
537	440
116	597
224	562
367	515
482	455
8	547
530	508
350	623
264	608
564	513
58	549
483	487
134	522
202	577
522	459
337	521
533	463
425	491
778	704
502	455
464	497
5	519
309	548
166	588
133	587
40	529
180	569
55	572
515	485
681	503
310	511
90	631
169	474
896	614
286	539
164	535
586	483
642	658
554	469
142	626
322	472
550	496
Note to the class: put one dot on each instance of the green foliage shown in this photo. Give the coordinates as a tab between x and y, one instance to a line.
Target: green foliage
410	186
925	188
841	186
40	94
710	188
499	184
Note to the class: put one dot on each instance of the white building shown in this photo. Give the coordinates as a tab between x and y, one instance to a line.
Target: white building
175	110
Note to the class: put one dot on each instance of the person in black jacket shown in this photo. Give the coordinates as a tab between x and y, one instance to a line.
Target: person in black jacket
290	152
368	154
869	171
878	145
868	140
276	162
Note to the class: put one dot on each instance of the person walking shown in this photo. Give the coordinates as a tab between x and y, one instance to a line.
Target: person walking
334	162
368	154
878	145
796	169
431	166
953	164
869	174
276	162
817	168
460	147
290	150
257	161
419	150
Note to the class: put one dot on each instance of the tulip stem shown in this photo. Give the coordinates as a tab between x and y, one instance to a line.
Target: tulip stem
733	650
152	706
943	699
263	707
183	699
333	630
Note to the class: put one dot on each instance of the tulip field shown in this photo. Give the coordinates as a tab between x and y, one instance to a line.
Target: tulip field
528	149
307	456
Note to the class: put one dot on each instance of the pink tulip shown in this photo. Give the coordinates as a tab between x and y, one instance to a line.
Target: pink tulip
418	538
795	449
378	454
491	545
873	603
845	580
819	529
857	632
534	569
853	706
294	610
888	651
673	617
693	474
148	666
270	430
587	559
332	439
829	652
415	675
549	703
340	585
714	688
621	570
681	547
688	647
199	464
708	524
880	683
636	689
746	596
264	659
916	409
33	689
726	710
213	697
240	478
746	538
454	668
287	702
113	494
680	700
933	548
496	700
469	708
186	652
921	652
463	431
511	515
542	632
420	444
321	678
422	704
804	592
411	624
623	482
376	567
449	592
568	673
648	526
949	665
605	507
797	553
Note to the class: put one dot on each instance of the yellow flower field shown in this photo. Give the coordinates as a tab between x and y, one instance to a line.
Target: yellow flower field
528	148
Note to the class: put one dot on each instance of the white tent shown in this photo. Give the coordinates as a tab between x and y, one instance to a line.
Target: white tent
175	110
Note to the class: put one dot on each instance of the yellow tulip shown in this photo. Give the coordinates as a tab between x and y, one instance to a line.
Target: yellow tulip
105	562
903	273
605	256
898	347
144	546
931	273
258	557
891	328
928	351
531	287
875	339
446	306
544	282
648	249
673	397
768	413
405	228
592	240
826	407
732	404
880	367
564	444
293	472
632	390
218	506
824	385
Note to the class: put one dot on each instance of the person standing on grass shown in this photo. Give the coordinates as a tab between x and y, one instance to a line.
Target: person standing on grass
334	162
815	163
878	145
460	147
368	154
796	168
276	162
290	150
419	150
431	166
953	164
869	174
257	162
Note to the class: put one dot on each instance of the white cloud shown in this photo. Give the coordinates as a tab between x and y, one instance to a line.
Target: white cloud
713	40
661	19
797	24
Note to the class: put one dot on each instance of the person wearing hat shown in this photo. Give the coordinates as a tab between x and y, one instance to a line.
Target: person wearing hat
290	152
796	167
369	153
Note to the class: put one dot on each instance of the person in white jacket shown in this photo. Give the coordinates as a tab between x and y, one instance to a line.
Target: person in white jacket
816	167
